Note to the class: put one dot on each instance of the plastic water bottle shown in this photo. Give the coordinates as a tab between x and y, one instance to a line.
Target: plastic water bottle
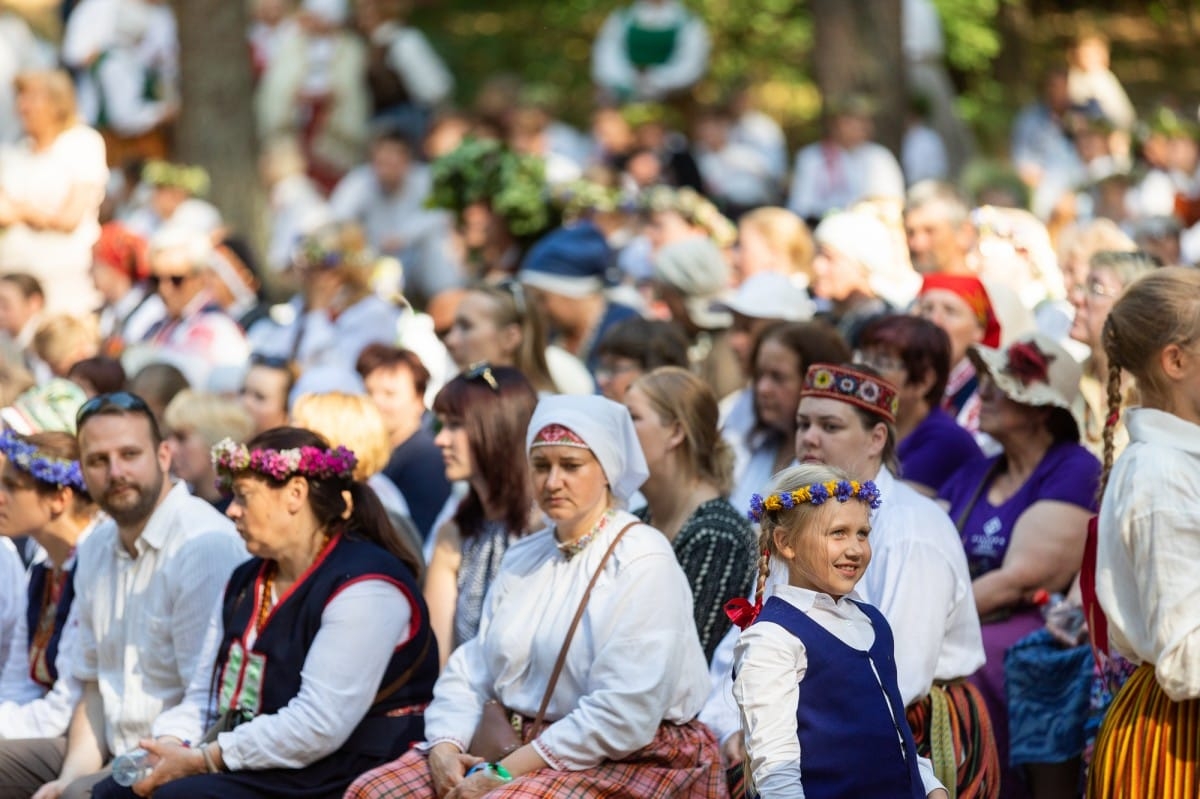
1064	619
133	766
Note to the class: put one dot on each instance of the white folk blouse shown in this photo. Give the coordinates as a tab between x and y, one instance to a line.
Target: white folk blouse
634	663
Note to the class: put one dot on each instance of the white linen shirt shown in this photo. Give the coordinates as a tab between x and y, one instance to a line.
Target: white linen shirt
771	664
142	620
27	710
819	186
13	584
919	579
1148	548
635	660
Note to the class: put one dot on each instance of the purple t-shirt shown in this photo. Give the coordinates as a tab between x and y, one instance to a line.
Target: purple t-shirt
935	449
1067	473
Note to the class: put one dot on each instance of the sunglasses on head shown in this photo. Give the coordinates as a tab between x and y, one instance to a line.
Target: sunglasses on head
482	371
122	400
515	290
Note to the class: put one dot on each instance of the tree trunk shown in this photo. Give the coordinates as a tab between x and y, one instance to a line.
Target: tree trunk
217	126
857	49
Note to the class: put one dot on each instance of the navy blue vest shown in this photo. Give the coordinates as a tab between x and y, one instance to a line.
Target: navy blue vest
849	741
39	576
264	678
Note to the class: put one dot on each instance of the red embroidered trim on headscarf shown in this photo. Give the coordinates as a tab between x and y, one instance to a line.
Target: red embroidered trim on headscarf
555	435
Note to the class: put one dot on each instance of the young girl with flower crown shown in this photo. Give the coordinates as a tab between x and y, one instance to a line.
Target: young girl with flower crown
815	670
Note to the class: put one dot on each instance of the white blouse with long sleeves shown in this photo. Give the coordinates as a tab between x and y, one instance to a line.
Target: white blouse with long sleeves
1148	548
319	719
27	710
771	664
919	579
635	660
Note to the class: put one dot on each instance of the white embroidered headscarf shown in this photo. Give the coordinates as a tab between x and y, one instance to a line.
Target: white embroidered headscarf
607	430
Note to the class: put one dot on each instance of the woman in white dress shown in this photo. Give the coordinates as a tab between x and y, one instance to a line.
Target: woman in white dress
51	185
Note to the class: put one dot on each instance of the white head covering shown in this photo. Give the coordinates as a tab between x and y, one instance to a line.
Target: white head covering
605	426
864	238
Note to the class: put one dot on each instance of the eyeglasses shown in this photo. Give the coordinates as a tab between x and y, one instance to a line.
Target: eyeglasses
270	361
122	400
482	371
176	281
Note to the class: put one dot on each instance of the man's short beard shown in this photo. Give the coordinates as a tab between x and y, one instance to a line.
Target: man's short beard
140	511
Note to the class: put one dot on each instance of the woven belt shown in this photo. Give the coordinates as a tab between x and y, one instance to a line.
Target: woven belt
941	740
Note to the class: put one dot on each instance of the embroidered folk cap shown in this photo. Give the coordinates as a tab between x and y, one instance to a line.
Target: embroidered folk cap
867	391
1033	370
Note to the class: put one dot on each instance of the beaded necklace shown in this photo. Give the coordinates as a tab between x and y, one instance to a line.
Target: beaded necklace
572	548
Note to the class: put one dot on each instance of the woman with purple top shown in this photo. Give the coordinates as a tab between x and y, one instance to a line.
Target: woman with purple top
914	354
1022	514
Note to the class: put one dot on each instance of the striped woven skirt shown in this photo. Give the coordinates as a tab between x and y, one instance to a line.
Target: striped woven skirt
682	762
952	728
1148	746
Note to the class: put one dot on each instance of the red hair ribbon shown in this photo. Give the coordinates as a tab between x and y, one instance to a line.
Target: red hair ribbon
741	612
1112	419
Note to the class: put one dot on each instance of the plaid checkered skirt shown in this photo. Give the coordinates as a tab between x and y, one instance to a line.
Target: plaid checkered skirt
682	762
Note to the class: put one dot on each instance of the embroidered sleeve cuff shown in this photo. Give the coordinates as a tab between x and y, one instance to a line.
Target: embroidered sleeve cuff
427	745
554	761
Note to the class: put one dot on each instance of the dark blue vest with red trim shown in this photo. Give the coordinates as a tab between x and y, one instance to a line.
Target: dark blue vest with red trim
263	678
40	574
852	743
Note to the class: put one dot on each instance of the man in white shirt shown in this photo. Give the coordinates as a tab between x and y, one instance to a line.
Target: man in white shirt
386	196
845	166
149	578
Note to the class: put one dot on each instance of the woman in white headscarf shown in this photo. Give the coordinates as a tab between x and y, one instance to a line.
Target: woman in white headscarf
620	721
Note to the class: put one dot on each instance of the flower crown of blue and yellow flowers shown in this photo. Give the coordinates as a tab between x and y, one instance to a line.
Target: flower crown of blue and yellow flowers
815	494
52	471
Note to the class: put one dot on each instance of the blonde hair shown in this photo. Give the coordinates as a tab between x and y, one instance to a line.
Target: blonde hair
510	308
786	234
794	519
57	85
211	416
63	340
1157	310
677	395
349	420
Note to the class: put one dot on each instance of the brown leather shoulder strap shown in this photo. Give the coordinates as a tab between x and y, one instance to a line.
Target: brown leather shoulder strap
398	683
562	655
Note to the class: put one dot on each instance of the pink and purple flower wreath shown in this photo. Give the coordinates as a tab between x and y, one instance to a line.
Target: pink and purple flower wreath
231	458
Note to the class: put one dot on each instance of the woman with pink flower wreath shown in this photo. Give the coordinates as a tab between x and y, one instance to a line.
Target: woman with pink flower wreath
323	656
1023	516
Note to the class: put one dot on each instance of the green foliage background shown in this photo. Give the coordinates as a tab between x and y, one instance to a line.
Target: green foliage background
764	42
